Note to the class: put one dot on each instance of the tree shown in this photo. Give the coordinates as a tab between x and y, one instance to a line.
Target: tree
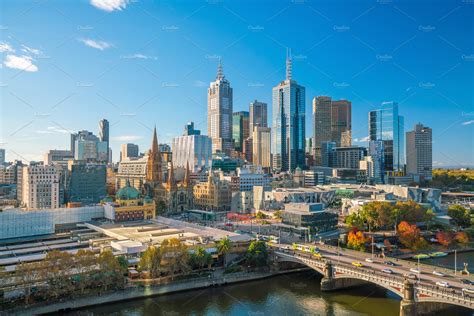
429	216
223	247
85	263
409	235
355	220
260	215
175	256
201	258
277	214
445	238
151	261
461	237
57	273
112	272
257	254
356	240
460	215
28	274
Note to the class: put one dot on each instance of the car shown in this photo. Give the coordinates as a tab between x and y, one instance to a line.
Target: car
387	271
369	260
414	270
411	276
317	255
438	273
468	292
466	281
389	263
357	264
443	284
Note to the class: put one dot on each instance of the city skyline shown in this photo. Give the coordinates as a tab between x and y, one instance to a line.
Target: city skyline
57	81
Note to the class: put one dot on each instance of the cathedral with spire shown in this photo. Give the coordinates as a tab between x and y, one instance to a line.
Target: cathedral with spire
171	195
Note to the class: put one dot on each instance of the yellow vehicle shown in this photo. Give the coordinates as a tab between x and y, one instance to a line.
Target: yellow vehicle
317	255
357	264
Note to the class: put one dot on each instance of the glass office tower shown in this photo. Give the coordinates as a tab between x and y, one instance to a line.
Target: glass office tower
288	136
386	125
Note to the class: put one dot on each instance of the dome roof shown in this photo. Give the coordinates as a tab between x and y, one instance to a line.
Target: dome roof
127	193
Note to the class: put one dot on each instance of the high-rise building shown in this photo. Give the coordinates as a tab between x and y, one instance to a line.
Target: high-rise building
88	147
215	194
331	123
385	124
104	134
219	113
2	156
60	157
40	186
248	149
194	151
341	122
347	157
261	146
128	151
257	115
325	152
420	151
240	129
288	131
190	130
376	153
87	182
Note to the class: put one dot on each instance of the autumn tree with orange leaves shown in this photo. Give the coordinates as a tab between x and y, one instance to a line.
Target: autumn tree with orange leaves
356	240
410	237
445	238
461	237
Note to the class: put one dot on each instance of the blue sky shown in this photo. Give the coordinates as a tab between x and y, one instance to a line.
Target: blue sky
67	64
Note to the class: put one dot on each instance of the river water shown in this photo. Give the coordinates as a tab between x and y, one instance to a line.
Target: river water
291	294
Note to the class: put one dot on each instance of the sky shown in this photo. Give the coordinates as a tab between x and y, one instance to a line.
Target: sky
67	64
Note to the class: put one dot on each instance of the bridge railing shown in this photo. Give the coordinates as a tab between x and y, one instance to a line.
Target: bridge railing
455	297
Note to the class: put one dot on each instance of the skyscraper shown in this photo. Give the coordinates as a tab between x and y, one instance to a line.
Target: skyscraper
190	130
261	146
194	151
420	151
332	122
257	115
128	151
386	125
86	146
288	123
219	113
104	133
40	186
2	156
240	129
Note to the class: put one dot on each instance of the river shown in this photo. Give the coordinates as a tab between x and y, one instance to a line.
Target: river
292	294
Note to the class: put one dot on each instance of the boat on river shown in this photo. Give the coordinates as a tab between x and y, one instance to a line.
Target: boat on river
421	256
438	254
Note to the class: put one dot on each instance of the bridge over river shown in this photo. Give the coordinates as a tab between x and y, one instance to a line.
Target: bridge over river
420	296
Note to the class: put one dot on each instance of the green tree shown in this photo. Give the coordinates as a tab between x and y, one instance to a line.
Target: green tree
85	262
260	215
175	256
111	271
257	254
201	258
58	273
277	214
28	274
355	220
223	247
460	215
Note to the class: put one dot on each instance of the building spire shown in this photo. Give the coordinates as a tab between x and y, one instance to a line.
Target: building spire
220	72
171	183
154	172
288	63
187	177
154	143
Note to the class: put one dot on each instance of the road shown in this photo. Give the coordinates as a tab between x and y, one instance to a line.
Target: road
401	268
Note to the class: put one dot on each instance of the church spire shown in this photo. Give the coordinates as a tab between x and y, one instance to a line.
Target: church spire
288	64
171	183
187	176
154	172
220	72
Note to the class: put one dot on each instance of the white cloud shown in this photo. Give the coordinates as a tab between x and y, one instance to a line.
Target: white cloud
126	138
5	47
20	62
199	84
30	50
53	130
362	140
110	5
101	45
468	122
139	56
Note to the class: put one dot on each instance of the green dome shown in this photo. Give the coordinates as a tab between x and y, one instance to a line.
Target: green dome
127	193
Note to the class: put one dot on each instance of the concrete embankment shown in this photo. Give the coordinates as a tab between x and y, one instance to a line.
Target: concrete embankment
140	292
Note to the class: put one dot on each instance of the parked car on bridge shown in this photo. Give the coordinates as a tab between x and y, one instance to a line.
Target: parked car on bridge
357	264
369	260
466	281
443	284
389	263
438	273
387	271
411	276
415	270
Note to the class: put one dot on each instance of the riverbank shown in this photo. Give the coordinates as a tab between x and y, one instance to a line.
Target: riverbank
145	291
